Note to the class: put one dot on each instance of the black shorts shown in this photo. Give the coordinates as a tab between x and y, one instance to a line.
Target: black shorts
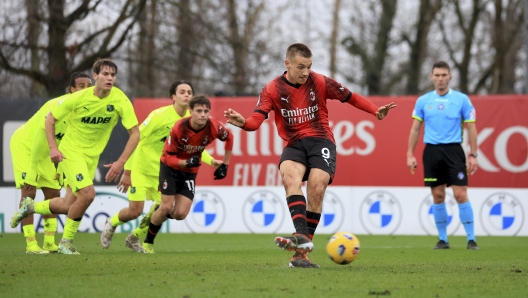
172	182
444	164
313	153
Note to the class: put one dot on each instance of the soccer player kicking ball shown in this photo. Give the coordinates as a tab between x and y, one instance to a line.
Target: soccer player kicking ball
180	163
298	99
33	169
91	116
142	168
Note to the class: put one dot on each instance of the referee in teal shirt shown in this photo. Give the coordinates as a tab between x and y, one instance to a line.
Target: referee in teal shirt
444	112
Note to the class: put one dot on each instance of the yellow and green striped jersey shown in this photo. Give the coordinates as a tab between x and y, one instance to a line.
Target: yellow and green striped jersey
25	133
91	119
153	133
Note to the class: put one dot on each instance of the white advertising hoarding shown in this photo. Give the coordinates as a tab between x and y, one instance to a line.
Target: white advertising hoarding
361	210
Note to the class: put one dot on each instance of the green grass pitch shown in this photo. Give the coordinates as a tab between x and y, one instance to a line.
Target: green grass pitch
250	265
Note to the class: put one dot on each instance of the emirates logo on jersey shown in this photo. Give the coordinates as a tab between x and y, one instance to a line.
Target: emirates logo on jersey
190	149
298	116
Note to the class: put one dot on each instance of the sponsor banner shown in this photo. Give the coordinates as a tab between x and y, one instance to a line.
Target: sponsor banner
372	152
360	210
369	152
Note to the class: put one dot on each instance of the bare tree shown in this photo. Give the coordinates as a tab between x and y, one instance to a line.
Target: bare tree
61	58
507	42
142	54
374	60
467	27
33	33
239	39
333	38
418	43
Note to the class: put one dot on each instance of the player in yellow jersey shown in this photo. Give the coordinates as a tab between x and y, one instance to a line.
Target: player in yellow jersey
142	169
91	116
27	170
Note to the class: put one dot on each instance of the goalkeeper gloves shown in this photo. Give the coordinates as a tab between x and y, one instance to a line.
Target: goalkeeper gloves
193	162
221	172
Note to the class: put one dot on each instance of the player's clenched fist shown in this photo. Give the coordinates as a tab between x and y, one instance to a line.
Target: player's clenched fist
220	172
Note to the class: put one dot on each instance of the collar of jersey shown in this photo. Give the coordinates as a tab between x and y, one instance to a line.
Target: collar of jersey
283	77
448	92
188	122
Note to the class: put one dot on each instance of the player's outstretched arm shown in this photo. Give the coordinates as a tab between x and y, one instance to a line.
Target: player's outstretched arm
234	118
117	167
384	110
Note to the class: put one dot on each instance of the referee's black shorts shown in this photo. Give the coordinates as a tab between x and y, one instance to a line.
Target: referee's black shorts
444	164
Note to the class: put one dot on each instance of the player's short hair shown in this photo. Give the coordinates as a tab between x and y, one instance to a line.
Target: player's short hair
298	49
74	76
441	64
175	85
100	62
200	99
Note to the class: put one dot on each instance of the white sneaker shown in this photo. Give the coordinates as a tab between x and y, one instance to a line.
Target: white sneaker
107	234
133	243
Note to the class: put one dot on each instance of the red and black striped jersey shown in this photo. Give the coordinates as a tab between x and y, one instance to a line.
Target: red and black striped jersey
300	110
184	142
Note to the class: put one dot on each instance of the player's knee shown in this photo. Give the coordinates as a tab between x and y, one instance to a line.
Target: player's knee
180	215
86	194
319	190
291	181
165	208
87	191
136	213
461	197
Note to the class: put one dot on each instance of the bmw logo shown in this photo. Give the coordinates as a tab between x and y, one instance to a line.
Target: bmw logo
263	212
207	212
502	214
380	213
332	216
427	218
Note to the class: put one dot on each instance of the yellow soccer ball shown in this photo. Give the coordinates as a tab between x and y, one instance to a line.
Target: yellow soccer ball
343	248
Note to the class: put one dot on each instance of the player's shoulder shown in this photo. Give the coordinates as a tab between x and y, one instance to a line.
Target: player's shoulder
118	94
162	110
72	98
50	103
458	94
181	122
316	75
427	95
214	122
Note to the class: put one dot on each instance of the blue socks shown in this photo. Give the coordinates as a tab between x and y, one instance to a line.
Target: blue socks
440	217
466	217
